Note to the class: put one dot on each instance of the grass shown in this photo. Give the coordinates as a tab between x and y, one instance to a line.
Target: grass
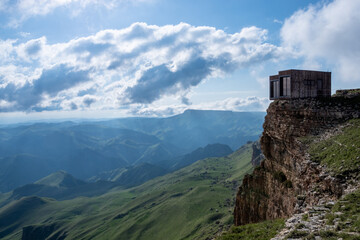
297	234
349	207
263	230
305	217
195	202
346	215
341	153
331	235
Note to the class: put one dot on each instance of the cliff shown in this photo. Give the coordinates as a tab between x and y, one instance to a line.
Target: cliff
257	155
288	180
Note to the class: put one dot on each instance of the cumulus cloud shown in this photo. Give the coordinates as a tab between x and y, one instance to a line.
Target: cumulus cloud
160	80
49	84
136	65
31	49
328	32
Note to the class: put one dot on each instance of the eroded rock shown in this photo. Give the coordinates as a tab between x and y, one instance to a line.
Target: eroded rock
287	172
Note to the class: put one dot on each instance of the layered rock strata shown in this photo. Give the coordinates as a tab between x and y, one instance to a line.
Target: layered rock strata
287	180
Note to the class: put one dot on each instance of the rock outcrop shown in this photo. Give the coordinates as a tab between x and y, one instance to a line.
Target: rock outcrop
287	180
257	155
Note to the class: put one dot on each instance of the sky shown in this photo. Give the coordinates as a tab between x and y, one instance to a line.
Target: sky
62	59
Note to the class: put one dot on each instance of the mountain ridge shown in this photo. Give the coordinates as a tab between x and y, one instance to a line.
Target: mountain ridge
30	152
199	195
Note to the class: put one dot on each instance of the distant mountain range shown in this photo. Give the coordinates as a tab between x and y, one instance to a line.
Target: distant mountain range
194	202
32	151
138	174
197	128
61	185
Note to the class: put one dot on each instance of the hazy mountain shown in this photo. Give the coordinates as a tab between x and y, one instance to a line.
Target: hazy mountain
20	169
32	151
60	179
61	185
210	150
131	176
138	174
196	128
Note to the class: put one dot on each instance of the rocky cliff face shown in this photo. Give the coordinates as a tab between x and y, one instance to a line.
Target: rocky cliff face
287	180
257	155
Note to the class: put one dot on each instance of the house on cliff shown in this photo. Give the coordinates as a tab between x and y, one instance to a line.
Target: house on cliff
290	84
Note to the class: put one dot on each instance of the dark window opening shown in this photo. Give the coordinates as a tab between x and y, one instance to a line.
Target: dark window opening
319	87
319	84
281	86
271	89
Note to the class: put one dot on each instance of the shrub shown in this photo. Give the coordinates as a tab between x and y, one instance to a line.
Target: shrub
280	176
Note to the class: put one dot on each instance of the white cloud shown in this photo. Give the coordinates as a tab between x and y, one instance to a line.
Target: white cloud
238	104
6	50
328	32
24	34
229	104
135	65
25	9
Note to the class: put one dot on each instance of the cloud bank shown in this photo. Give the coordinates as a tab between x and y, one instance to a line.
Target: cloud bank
228	104
126	67
327	33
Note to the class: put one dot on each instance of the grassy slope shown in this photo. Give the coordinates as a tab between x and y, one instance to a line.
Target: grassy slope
192	203
343	221
264	231
347	210
340	153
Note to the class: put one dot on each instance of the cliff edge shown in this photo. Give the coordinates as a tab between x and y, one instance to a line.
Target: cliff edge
288	179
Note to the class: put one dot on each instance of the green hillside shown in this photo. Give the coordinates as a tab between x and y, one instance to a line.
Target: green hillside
29	152
341	152
263	230
60	179
136	175
60	186
195	202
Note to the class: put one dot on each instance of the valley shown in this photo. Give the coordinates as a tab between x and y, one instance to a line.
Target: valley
195	202
92	150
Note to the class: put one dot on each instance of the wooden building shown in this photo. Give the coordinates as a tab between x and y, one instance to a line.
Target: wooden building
290	84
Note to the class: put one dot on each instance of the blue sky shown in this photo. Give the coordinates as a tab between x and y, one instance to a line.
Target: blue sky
117	58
